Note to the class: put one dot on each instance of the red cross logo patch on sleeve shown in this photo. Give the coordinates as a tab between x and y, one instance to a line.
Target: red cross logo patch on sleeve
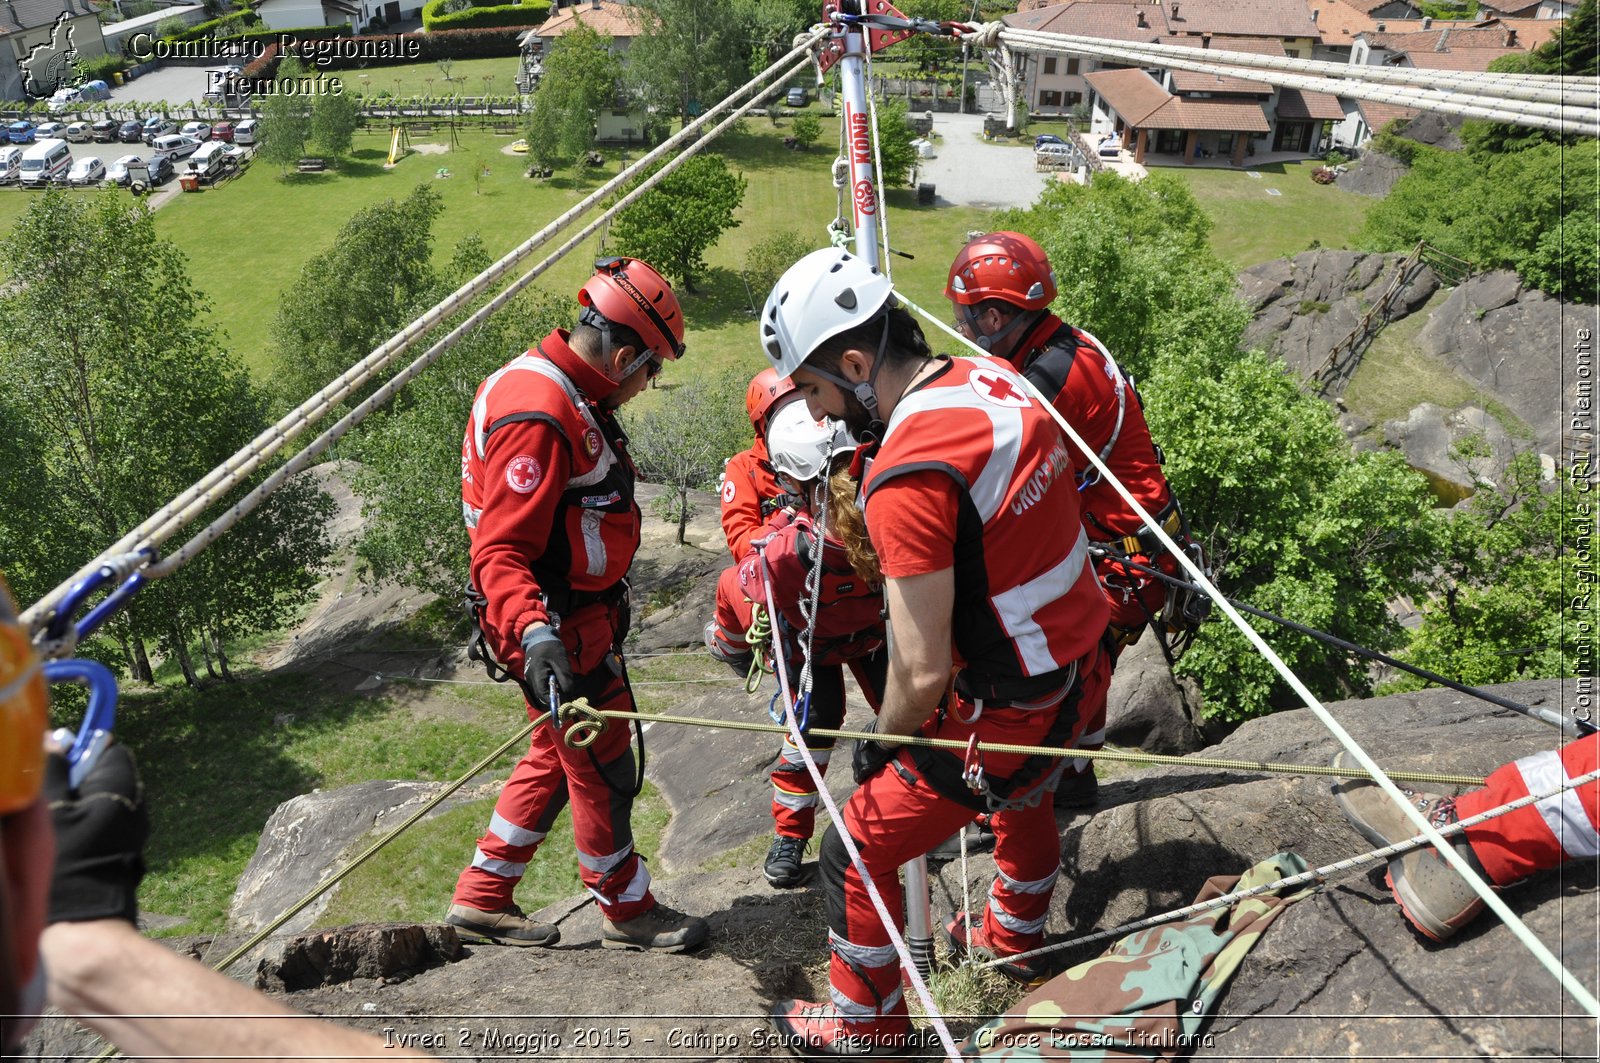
998	389
523	473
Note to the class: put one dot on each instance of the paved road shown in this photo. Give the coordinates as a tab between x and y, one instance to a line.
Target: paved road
971	171
174	84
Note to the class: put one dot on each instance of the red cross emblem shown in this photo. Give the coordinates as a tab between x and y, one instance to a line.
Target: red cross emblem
523	473
997	389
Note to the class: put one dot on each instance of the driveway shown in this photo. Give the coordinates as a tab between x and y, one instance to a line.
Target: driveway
973	172
172	84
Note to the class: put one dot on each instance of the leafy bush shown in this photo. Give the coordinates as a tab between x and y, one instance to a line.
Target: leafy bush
101	67
437	15
235	22
298	32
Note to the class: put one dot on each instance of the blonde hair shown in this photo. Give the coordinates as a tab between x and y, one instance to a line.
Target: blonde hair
848	524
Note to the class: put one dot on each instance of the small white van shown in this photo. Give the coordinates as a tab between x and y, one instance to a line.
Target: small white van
46	161
10	163
245	131
207	162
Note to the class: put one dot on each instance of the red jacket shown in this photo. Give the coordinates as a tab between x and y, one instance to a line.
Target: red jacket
1072	369
546	490
747	483
1029	604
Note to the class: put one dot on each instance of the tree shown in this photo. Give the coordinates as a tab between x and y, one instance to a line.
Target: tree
1506	594
683	441
674	224
285	121
895	154
927	50
579	81
130	399
807	129
696	54
334	116
769	257
357	293
1294	524
409	476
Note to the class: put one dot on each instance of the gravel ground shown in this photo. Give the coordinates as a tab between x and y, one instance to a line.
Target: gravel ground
972	172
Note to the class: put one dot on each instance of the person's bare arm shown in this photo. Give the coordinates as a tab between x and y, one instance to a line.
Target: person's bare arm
920	610
155	1004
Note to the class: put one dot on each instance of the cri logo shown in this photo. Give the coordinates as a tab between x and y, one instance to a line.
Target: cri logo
860	139
866	201
523	473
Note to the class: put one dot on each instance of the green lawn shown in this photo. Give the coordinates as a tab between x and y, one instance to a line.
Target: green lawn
247	240
426	79
1254	226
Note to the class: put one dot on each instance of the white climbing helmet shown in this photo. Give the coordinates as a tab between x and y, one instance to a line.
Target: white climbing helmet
799	446
820	296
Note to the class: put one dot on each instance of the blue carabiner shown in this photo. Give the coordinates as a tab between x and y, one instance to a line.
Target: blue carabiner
73	600
802	712
94	734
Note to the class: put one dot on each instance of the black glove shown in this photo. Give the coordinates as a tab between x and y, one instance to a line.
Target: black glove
543	657
100	829
869	756
787	500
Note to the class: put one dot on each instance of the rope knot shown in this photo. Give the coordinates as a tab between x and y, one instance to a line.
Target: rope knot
582	723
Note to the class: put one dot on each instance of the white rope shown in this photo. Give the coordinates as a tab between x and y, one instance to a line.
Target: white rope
1305	877
907	964
1448	101
877	169
313	450
186	507
1575	988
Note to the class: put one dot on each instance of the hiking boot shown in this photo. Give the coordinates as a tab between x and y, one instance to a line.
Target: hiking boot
1434	898
782	868
1078	791
967	937
738	660
661	929
816	1030
980	839
503	926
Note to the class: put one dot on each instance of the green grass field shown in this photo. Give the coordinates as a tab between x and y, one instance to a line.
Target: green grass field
426	79
1253	226
247	240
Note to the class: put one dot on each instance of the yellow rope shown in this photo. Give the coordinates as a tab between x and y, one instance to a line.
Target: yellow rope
593	718
759	638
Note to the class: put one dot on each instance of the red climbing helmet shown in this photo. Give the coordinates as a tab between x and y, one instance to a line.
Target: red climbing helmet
628	292
1002	265
765	391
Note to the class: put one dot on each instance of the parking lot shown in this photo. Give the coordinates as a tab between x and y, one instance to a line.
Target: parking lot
108	153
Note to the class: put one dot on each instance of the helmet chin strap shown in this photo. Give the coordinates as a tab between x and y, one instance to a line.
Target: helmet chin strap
865	392
1028	318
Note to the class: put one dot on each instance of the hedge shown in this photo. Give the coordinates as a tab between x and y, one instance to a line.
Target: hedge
298	32
484	17
201	30
441	44
101	67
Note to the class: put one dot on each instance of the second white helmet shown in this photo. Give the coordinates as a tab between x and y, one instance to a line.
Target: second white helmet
799	446
820	296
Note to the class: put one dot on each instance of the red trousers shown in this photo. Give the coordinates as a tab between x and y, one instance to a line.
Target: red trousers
794	791
897	815
543	782
1546	833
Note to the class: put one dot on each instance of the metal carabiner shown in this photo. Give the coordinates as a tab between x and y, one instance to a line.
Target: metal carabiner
972	767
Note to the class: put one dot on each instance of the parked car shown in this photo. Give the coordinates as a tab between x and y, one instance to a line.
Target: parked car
222	131
1061	153
245	131
236	153
117	172
46	162
77	133
175	145
103	131
160	169
197	130
50	131
796	97
21	131
86	172
156	126
1046	138
10	164
131	132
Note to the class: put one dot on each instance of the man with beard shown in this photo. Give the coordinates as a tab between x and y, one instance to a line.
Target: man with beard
966	498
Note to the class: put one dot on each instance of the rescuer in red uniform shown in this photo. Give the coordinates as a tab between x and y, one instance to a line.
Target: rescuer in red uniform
1503	851
966	499
1001	286
748	490
547	492
846	627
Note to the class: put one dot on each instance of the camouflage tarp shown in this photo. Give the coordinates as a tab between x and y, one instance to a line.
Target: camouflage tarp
1149	994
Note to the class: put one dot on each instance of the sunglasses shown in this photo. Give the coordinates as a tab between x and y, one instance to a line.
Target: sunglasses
647	361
